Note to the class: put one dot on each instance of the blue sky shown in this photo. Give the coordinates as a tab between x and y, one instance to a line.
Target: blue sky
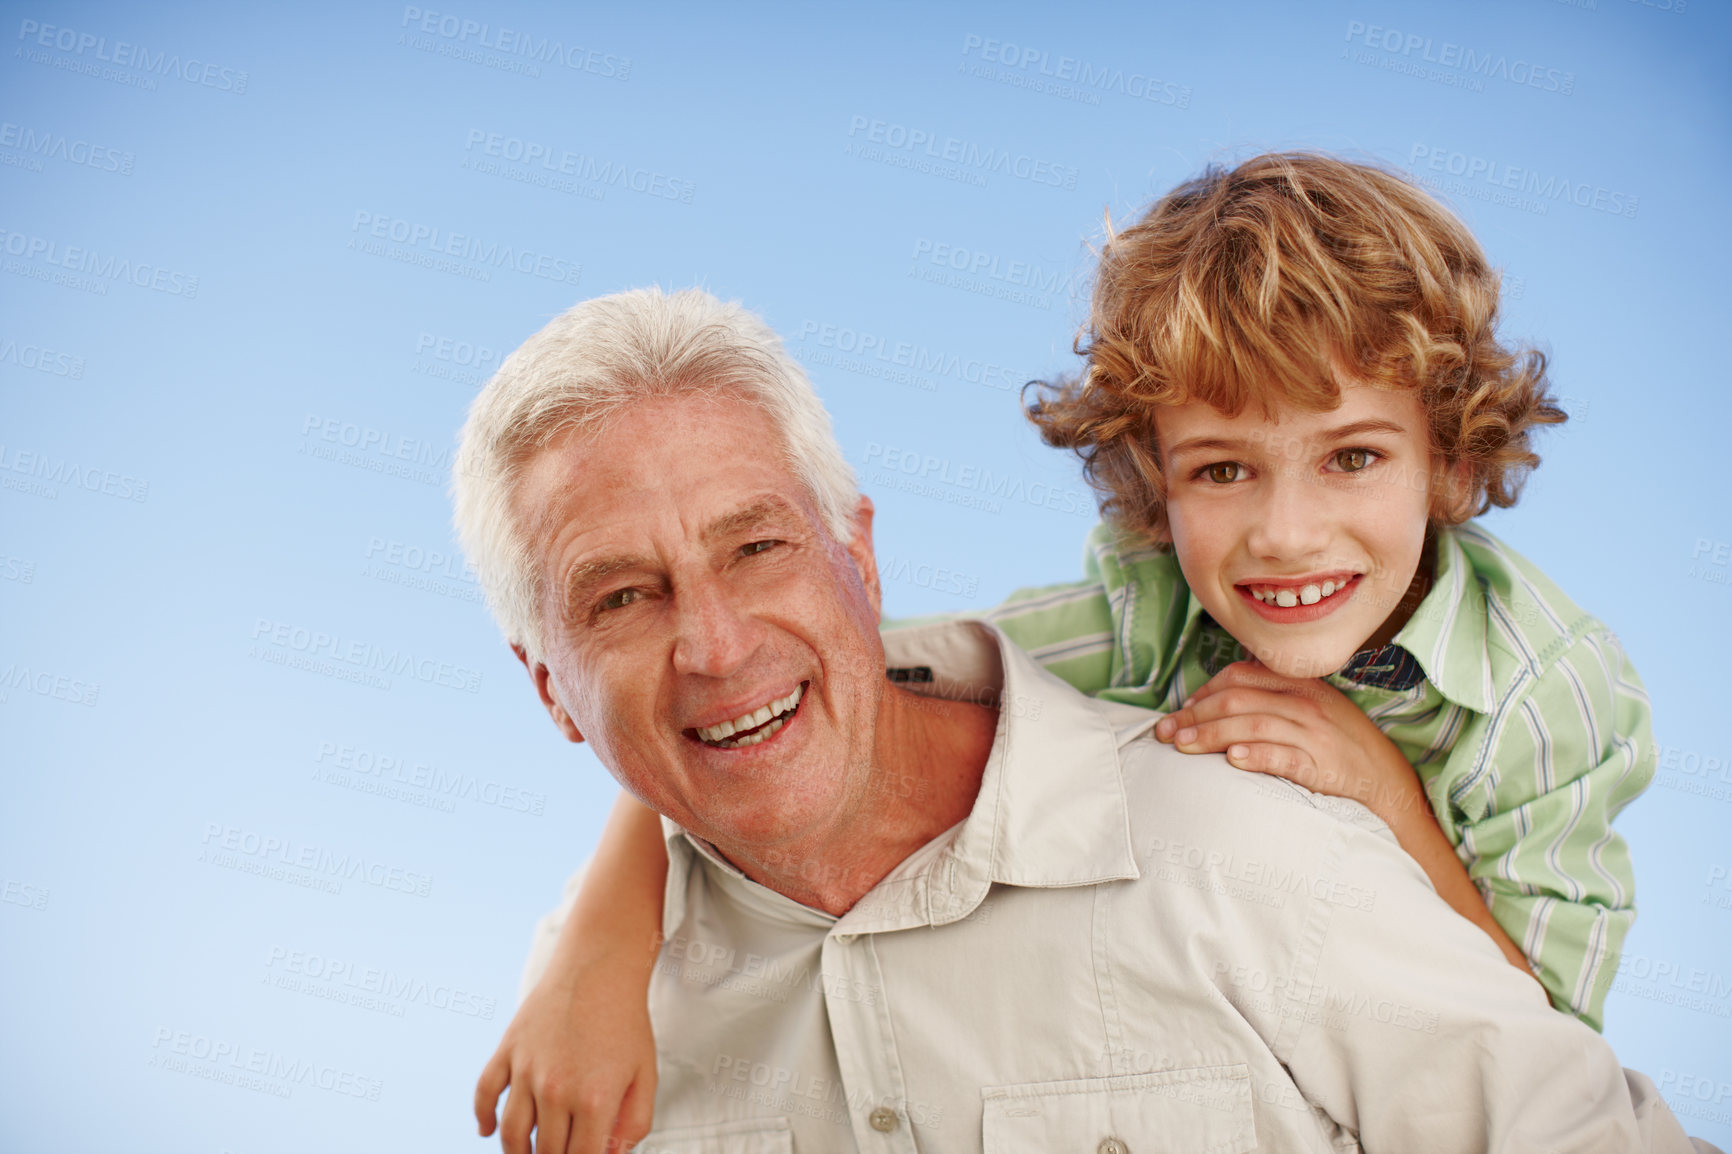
257	260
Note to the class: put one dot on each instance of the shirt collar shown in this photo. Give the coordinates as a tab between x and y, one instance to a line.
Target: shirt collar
1447	632
1051	810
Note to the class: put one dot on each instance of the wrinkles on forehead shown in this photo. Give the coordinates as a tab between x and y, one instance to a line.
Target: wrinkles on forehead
768	509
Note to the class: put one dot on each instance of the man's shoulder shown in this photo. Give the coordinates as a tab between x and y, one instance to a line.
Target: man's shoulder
1209	809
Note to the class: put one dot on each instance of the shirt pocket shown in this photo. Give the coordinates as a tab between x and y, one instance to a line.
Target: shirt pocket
746	1136
1201	1110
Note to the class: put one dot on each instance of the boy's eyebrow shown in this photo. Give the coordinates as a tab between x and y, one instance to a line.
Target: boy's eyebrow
1361	428
1339	433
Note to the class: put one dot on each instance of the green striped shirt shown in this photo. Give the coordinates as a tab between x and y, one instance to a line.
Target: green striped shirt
1529	732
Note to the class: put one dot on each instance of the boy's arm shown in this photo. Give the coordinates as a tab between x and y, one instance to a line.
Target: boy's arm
1538	838
579	1054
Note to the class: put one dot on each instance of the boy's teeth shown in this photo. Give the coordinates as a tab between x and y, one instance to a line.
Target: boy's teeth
775	709
1287	598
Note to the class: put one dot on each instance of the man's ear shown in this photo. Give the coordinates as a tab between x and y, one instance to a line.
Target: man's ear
865	560
544	687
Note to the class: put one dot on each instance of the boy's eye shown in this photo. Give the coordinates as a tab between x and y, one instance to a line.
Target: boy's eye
1224	472
1353	460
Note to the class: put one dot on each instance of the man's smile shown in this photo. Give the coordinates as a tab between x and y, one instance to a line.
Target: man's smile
754	725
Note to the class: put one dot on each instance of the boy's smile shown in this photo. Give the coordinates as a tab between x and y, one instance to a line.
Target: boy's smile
1300	534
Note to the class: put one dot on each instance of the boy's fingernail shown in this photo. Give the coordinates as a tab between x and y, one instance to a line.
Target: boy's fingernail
1185	736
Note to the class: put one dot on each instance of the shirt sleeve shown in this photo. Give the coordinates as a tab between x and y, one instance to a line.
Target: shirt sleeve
1565	757
1067	628
1416	1034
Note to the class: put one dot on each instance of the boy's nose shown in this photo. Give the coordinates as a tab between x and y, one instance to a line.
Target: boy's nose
1293	523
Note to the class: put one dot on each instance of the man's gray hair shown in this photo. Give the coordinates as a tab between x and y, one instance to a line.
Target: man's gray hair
587	364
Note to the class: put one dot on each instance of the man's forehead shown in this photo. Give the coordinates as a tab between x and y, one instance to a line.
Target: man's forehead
580	526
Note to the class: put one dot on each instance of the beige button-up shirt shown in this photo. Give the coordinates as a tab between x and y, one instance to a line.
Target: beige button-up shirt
1122	949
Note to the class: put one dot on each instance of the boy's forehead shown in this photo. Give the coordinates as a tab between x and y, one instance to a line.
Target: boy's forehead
1358	402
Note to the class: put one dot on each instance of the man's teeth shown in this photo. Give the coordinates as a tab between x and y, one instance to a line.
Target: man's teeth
775	709
1286	598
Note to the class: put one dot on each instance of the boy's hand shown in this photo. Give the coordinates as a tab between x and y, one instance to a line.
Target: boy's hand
1304	730
580	1059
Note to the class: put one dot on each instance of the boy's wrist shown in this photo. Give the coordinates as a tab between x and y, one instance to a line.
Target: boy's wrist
1400	801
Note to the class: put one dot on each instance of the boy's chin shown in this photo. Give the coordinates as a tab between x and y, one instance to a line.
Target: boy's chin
1308	663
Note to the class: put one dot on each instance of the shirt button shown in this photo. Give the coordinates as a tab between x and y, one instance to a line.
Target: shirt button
883	1119
1112	1146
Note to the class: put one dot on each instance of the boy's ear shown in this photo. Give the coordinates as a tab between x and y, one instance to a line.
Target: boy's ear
544	688
1452	500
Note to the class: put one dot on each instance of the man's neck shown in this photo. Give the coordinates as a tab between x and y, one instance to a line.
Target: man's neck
927	761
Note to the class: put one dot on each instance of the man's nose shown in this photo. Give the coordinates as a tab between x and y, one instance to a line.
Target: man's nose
715	635
1294	520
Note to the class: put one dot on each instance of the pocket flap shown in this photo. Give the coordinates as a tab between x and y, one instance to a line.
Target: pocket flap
1201	1110
746	1136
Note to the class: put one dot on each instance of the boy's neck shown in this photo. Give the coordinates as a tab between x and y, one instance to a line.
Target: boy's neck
1404	608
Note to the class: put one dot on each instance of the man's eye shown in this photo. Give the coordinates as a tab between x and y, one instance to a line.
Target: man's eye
1353	460
755	547
1224	472
619	598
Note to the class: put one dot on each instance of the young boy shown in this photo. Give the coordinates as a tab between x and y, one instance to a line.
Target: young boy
1294	401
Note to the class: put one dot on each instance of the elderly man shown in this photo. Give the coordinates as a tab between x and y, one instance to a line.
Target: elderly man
961	906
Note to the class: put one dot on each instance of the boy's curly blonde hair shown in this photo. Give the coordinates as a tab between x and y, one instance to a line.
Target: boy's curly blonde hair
1263	285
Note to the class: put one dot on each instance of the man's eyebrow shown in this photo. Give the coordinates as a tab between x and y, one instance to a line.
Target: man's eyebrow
1340	433
763	509
588	574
